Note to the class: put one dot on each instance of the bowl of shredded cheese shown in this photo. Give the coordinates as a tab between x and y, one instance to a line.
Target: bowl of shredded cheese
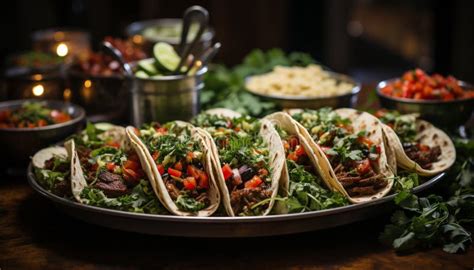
304	87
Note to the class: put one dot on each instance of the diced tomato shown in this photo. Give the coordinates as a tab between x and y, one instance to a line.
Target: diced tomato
263	172
133	165
178	166
110	166
300	151
161	169
365	140
113	144
41	123
189	183
59	117
136	131
174	172
161	130
155	155
294	142
423	147
130	176
378	149
380	113
189	157
292	156
192	171
254	182
226	171
203	180
363	167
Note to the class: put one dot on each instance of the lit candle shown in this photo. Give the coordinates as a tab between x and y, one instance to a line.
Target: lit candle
38	90
62	49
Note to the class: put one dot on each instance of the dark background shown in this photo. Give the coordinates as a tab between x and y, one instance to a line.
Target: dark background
368	39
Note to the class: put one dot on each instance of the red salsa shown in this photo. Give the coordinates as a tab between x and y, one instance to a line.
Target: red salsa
416	84
32	115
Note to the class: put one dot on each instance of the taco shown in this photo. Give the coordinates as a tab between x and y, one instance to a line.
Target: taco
350	148
418	145
99	168
248	159
302	187
52	167
180	165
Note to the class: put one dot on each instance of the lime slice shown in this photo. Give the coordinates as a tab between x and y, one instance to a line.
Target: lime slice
141	74
103	126
166	57
148	65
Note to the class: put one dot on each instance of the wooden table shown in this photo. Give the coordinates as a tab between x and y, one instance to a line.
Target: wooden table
36	235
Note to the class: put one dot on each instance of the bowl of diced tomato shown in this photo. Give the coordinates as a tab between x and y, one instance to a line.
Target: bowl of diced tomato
26	126
443	100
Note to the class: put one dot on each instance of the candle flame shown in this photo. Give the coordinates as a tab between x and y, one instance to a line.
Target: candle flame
38	90
87	83
67	94
62	50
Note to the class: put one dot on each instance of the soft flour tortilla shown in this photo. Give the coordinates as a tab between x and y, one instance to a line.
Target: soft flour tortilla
78	181
285	122
158	183
277	158
360	121
429	135
45	154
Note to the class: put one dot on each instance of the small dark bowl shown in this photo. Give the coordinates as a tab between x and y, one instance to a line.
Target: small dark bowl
449	114
342	101
19	144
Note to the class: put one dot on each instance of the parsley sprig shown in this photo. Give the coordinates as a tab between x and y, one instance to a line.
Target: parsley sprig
424	222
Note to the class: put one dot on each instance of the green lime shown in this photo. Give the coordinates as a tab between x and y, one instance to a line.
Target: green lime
148	65
166	57
141	74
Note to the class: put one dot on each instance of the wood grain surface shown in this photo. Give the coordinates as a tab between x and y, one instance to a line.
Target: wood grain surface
34	234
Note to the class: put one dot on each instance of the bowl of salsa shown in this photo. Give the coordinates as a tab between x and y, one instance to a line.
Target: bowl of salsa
26	126
443	100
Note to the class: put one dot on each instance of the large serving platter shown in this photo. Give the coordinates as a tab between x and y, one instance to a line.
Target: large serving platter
222	226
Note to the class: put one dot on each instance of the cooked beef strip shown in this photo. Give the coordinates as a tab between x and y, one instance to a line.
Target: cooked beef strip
243	199
171	187
108	177
357	185
111	184
361	191
49	165
112	189
423	158
63	188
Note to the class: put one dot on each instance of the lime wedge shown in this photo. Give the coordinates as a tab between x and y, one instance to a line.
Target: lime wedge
141	74
166	57
103	126
148	65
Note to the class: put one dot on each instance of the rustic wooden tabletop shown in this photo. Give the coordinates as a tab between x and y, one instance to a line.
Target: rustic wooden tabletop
36	235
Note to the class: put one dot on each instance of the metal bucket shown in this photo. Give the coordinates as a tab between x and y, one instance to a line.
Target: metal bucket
166	98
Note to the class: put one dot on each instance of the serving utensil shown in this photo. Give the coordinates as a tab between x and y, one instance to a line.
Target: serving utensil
114	52
207	56
193	14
